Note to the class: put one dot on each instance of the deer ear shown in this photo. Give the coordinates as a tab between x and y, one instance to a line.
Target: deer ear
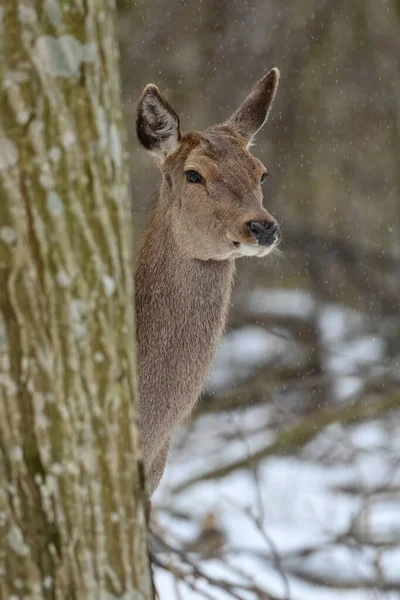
253	112
157	124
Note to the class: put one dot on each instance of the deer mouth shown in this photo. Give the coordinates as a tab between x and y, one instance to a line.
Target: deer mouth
254	248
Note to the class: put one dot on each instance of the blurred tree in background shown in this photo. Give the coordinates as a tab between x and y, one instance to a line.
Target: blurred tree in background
72	521
294	448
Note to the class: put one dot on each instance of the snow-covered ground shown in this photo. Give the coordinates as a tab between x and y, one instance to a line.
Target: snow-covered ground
297	506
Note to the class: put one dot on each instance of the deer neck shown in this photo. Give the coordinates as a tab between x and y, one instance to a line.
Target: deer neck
181	307
176	278
181	290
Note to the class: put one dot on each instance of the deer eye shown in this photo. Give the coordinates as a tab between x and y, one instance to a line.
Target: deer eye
264	177
194	176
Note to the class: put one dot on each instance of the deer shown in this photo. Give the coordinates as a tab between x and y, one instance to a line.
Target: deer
208	212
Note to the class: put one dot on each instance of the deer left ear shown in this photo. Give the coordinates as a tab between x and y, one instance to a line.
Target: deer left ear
157	124
253	112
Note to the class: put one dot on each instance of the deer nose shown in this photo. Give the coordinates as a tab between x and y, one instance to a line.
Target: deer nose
263	232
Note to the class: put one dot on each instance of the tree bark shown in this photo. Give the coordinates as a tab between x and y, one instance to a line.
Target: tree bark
72	522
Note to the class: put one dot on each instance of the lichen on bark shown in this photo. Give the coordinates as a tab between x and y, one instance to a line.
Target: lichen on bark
72	522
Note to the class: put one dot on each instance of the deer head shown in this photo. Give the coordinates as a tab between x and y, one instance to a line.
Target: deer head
211	192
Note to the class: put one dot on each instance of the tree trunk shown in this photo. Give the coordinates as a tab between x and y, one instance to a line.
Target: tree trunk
72	522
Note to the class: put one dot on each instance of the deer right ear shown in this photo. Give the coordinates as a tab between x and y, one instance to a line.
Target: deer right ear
253	112
157	124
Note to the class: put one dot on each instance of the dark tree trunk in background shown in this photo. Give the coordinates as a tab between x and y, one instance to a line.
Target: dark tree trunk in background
72	522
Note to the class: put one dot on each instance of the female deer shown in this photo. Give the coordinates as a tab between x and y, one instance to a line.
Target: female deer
208	213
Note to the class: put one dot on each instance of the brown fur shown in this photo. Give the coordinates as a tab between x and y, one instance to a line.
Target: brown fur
185	265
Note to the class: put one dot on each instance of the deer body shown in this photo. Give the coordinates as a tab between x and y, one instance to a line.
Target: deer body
202	221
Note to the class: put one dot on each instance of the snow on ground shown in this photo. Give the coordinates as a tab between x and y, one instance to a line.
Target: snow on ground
306	503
